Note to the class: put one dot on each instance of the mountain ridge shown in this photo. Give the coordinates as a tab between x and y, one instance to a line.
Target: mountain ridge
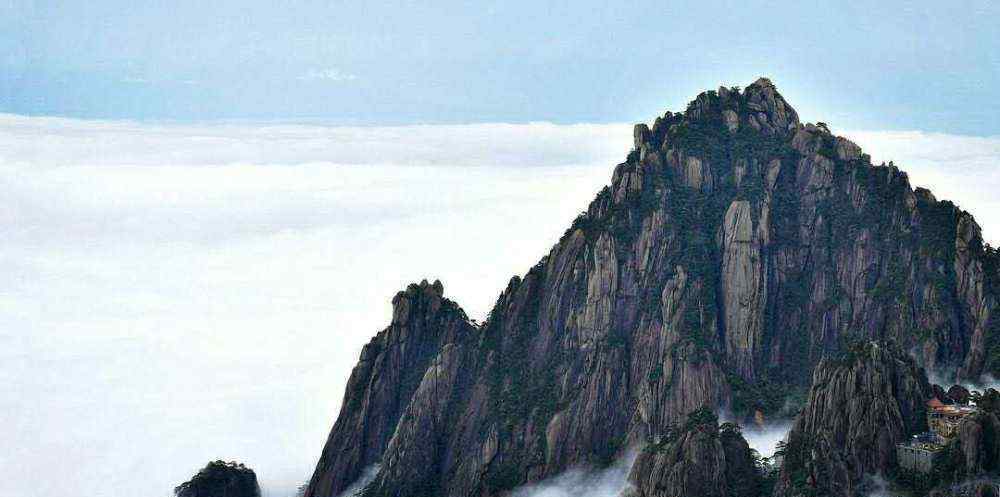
734	248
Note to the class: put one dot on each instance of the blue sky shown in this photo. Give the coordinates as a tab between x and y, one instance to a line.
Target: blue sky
872	65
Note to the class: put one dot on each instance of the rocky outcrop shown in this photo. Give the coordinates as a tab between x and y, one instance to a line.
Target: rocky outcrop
743	285
959	394
977	442
221	479
697	458
860	406
391	368
734	248
975	450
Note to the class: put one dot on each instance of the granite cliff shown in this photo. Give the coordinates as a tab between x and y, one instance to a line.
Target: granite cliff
862	402
734	249
698	458
866	399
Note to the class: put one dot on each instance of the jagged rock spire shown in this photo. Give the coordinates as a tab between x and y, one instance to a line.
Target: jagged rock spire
767	109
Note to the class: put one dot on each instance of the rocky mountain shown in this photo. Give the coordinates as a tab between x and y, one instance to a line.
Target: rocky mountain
698	458
221	479
734	248
862	402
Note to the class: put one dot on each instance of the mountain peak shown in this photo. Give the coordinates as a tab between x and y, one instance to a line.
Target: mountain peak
416	298
765	109
763	82
758	107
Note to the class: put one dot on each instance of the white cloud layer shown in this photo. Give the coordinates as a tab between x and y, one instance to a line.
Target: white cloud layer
585	482
181	293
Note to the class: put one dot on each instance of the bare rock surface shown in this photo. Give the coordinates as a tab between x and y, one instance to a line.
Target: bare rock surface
861	404
697	458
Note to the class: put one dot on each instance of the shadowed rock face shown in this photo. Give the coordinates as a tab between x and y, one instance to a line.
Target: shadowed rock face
382	385
734	248
860	406
221	479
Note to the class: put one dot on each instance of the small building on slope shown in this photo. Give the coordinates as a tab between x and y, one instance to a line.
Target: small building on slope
921	452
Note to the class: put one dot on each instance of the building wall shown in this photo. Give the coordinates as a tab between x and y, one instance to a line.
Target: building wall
915	459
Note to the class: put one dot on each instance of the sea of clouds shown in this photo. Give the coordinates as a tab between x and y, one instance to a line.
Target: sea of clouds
178	293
